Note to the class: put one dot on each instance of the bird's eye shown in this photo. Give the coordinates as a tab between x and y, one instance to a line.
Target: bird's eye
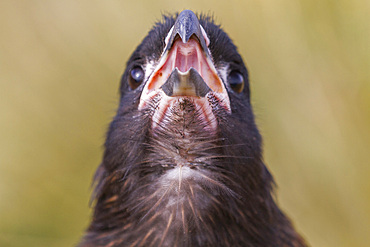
136	77
236	81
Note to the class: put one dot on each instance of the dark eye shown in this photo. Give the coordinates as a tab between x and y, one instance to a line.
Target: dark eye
236	81
136	77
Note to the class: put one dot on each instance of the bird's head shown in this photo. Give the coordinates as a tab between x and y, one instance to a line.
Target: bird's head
186	89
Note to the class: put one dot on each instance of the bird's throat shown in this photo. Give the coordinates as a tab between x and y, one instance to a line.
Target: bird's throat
182	131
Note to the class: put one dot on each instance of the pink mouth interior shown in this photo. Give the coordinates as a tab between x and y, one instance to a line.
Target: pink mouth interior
184	56
187	56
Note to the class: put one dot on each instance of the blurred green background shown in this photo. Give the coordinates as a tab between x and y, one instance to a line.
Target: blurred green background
60	66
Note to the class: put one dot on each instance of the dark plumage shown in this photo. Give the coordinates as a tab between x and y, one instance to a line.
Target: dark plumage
189	173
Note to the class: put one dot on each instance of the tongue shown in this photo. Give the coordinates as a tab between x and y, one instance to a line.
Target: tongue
189	83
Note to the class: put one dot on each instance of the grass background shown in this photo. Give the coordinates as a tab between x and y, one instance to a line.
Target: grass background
60	65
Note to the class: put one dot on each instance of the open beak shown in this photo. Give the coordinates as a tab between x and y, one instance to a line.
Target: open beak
185	68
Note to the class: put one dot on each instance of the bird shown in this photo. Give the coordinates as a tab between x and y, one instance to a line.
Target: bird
183	163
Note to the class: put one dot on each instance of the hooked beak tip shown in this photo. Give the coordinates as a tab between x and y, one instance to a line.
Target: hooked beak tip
187	25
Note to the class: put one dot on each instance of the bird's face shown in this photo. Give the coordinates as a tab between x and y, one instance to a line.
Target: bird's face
189	85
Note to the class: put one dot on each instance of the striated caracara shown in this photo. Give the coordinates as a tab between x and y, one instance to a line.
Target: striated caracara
183	160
